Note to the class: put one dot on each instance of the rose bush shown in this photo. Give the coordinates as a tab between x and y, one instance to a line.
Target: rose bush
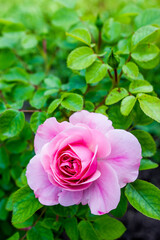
83	161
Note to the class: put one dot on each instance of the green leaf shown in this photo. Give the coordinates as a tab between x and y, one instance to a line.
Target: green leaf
127	105
139	118
16	145
24	205
3	211
26	224
37	119
131	70
146	55
150	106
54	105
80	34
111	31
119	121
22	92
89	106
140	86
72	101
7	58
146	34
102	109
108	228
147	164
4	159
29	41
15	236
116	95
64	18
67	3
148	16
39	99
144	197
36	78
2	106
81	58
16	74
53	82
71	228
38	232
147	142
64	211
11	123
96	72
87	232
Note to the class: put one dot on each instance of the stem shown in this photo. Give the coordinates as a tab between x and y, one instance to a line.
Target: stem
115	76
22	61
109	73
29	111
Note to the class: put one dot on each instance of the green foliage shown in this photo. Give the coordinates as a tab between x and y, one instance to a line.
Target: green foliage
81	58
144	197
24	205
58	57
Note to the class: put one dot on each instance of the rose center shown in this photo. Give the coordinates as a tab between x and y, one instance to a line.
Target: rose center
69	165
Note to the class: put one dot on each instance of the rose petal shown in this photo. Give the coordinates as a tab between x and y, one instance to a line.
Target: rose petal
125	155
38	181
67	198
93	120
47	131
104	194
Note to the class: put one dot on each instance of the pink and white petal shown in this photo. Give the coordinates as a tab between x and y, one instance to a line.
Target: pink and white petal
125	155
48	196
38	181
93	120
47	131
36	176
104	194
68	198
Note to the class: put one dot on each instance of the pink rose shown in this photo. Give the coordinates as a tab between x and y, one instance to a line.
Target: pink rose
83	161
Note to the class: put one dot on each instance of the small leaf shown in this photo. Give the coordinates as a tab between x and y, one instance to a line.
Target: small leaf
148	16
81	35
16	74
11	123
37	119
24	205
39	99
116	95
150	106
7	58
81	58
127	105
147	164
119	121
146	55
146	34
147	142
38	232
140	86
54	105
130	69
4	158
144	197
87	232
108	228
72	101
71	228
29	41
96	72
15	236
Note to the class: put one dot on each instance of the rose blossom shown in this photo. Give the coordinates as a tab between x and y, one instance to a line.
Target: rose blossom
83	161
